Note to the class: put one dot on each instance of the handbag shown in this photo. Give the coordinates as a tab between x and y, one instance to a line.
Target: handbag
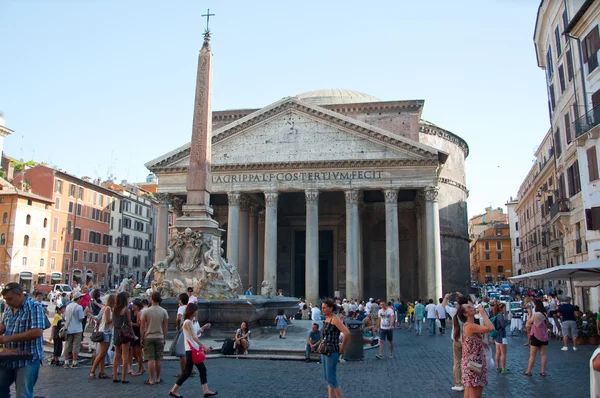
126	334
198	355
475	366
98	337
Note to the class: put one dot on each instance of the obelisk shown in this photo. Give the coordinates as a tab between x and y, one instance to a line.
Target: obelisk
197	210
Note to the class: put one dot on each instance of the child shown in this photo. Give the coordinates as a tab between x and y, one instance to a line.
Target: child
281	322
57	323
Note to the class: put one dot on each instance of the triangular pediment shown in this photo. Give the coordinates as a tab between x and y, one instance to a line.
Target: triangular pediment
293	131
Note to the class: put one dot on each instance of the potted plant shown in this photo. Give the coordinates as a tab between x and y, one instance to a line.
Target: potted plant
592	328
581	330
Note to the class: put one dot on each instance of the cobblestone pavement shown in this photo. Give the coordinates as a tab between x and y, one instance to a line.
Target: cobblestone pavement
421	367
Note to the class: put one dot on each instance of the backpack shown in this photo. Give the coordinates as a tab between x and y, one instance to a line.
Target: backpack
540	332
494	332
227	348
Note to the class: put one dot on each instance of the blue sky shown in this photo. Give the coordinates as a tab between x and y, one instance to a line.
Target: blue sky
97	87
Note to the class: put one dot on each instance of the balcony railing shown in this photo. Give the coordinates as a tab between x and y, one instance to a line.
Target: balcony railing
562	206
587	122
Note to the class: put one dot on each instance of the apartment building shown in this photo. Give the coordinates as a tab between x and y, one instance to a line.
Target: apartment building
515	235
491	259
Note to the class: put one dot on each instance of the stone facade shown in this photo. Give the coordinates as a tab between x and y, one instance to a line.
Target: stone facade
362	198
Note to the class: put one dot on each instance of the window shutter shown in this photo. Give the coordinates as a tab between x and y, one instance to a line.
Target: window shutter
569	65
584	45
592	159
595	40
568	127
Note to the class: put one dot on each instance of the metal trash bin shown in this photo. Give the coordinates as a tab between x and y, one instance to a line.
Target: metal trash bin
354	348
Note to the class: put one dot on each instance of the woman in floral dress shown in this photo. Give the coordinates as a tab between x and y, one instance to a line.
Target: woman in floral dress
472	350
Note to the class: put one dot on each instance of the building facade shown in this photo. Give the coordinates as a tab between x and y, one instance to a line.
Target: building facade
354	179
491	255
515	235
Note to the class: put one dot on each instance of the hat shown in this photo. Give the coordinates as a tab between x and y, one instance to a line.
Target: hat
78	295
345	300
60	306
567	298
371	299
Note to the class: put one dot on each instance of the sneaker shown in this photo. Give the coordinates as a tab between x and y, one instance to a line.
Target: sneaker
307	360
506	371
499	370
378	356
391	356
565	349
67	365
574	348
374	342
458	388
75	365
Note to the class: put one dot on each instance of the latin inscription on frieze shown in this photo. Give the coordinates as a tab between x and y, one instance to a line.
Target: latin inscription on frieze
297	176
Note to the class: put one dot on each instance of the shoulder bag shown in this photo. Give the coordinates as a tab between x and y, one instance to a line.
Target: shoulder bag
126	334
98	337
198	355
62	333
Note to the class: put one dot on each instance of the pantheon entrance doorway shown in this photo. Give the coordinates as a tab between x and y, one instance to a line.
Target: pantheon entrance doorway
325	263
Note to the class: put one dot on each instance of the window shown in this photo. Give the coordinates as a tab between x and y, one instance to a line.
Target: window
590	46
72	190
549	66
41	262
54	245
71	207
487	245
499	255
55	224
29	202
45	222
104	258
557	39
5	218
69	227
100	200
568	128
592	161
53	264
126	240
24	260
488	269
578	240
517	226
517	242
561	78
77	234
26	240
58	186
500	268
80	193
28	220
573	179
43	243
68	247
557	143
78	209
85	256
3	239
95	257
126	222
57	204
552	100
134	261
92	237
499	245
75	255
487	256
569	65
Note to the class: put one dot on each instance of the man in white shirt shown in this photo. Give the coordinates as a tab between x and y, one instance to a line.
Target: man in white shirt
352	306
385	326
431	316
183	302
441	315
346	306
74	315
191	298
368	307
315	313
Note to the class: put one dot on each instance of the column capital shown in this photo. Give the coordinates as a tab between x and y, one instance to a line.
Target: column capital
391	196
233	198
431	193
253	209
162	198
244	203
261	216
312	196
352	196
271	198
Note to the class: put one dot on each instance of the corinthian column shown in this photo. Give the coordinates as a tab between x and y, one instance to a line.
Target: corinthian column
261	249
392	245
433	267
233	224
243	243
352	272
312	246
252	248
271	238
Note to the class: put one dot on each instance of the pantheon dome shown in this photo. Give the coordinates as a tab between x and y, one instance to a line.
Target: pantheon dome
335	96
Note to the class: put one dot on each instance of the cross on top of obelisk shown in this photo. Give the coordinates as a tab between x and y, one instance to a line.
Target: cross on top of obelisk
208	15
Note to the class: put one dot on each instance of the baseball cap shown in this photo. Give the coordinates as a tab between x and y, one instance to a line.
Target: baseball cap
78	295
567	298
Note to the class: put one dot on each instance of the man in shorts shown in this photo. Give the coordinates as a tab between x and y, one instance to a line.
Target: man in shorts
153	330
568	312
385	325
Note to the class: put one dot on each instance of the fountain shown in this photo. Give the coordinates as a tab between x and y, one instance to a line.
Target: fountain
195	256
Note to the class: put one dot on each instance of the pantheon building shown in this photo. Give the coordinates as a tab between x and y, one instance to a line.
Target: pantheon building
336	192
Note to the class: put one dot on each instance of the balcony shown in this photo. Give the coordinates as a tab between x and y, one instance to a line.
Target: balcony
587	122
561	206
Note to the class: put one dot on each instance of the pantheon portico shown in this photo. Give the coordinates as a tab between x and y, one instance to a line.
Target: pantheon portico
335	191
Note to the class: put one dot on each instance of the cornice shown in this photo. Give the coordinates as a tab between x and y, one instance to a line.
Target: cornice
445	134
453	183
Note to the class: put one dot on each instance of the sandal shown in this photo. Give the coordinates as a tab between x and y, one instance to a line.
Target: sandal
92	375
116	381
125	382
159	381
147	382
172	394
103	376
527	373
543	374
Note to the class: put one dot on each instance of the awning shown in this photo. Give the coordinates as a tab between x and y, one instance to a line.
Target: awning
76	272
585	271
26	275
56	276
90	272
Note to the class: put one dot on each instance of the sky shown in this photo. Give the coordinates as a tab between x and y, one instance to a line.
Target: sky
100	87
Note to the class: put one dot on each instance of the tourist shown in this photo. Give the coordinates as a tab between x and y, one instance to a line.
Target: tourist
315	314
305	313
153	332
527	314
105	327
135	346
410	311
21	328
419	315
440	311
473	364
568	312
401	310
312	341
191	332
123	336
249	291
385	327
74	316
242	338
39	297
280	292
352	306
431	317
540	332
500	340
330	334
96	303
179	349
84	302
281	322
57	323
457	333
595	374
191	297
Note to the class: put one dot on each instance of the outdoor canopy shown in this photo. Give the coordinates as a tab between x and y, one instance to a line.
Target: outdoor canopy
586	271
